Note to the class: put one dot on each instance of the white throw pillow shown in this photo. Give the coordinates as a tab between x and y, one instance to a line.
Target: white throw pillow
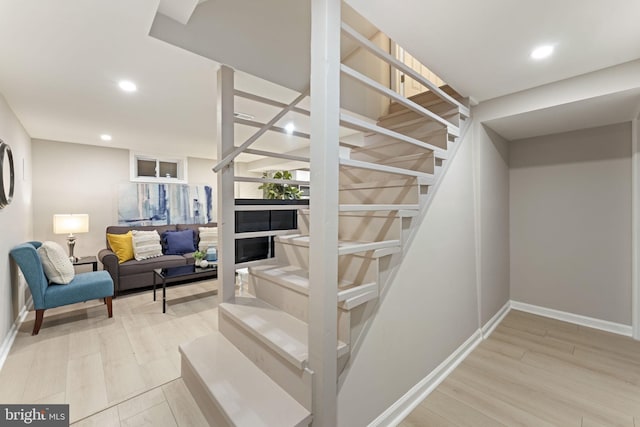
56	264
146	244
208	238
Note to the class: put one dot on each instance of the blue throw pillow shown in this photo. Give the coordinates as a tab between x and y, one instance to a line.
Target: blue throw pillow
178	242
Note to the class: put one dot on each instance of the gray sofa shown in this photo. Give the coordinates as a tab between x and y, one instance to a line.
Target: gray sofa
134	274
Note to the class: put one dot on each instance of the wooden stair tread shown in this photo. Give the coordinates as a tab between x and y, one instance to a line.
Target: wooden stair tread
246	396
427	97
404	182
383	142
408	208
425	178
376	249
297	278
377	213
278	330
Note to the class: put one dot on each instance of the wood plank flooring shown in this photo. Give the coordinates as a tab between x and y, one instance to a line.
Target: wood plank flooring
101	367
124	371
535	371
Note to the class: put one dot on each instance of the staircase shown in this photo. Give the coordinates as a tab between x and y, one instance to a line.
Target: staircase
255	371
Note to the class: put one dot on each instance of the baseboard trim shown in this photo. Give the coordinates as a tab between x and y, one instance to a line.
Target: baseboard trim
493	323
407	403
5	348
603	325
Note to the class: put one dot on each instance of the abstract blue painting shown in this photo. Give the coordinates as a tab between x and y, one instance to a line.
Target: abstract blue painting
159	204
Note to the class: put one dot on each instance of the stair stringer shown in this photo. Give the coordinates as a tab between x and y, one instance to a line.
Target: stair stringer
362	316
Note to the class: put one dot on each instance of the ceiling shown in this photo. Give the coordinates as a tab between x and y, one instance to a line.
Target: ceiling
482	47
61	60
593	112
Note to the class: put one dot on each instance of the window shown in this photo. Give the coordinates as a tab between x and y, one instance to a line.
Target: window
150	168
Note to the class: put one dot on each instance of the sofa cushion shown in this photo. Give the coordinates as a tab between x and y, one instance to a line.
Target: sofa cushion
148	265
146	244
121	245
178	242
208	238
55	263
123	229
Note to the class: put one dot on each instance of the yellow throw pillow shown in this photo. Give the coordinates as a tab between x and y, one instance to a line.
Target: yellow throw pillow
122	245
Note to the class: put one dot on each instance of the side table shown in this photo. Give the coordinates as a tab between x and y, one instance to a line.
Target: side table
86	261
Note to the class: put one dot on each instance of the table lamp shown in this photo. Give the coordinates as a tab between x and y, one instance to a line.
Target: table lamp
71	223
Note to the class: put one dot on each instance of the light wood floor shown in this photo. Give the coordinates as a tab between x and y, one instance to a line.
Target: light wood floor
124	370
534	371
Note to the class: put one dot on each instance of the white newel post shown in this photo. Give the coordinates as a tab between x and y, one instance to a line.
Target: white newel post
323	254
226	195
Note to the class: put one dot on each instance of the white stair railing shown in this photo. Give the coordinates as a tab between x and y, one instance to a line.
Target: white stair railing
263	129
324	223
386	57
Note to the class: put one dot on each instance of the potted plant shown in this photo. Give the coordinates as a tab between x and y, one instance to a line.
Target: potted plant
275	191
200	261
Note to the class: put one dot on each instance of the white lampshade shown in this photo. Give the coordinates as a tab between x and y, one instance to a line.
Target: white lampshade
70	223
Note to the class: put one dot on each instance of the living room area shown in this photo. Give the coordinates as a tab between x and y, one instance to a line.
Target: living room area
511	225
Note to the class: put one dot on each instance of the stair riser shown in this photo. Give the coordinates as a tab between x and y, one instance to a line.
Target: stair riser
381	195
356	175
452	116
432	133
387	149
205	401
419	163
440	108
295	304
427	98
351	268
367	227
371	229
294	381
429	133
430	103
286	299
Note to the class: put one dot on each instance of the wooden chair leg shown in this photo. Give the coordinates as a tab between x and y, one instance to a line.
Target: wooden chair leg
38	324
109	307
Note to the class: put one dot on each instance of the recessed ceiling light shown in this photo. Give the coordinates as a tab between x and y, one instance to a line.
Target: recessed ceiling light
542	52
127	86
290	127
105	137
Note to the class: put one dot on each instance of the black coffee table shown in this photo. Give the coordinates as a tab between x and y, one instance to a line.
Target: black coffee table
180	274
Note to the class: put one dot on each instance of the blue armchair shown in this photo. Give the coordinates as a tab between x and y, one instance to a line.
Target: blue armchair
84	286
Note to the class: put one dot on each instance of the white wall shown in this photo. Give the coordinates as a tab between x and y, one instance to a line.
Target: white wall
570	230
78	178
492	202
15	219
428	310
